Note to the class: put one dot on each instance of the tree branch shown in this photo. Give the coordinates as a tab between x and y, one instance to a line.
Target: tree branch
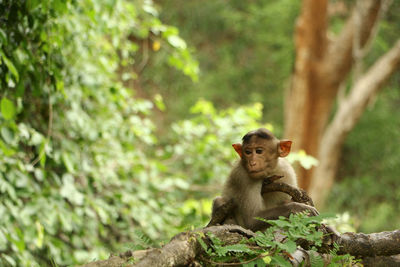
348	114
375	244
339	58
366	87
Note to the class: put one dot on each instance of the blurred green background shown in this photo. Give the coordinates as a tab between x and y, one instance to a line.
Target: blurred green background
117	119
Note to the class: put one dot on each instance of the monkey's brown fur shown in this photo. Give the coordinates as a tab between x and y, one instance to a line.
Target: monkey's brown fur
261	157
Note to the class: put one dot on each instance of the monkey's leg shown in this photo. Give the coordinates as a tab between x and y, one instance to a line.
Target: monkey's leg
222	212
282	210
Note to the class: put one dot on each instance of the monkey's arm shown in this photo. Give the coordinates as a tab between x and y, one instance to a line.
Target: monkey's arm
297	194
222	211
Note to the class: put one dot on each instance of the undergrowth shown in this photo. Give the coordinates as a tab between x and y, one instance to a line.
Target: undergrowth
274	246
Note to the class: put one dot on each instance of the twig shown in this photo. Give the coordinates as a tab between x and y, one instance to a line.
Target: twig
145	59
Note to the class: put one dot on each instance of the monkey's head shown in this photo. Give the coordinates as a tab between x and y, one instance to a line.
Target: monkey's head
260	151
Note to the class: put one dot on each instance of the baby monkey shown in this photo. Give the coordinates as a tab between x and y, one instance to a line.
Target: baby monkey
262	156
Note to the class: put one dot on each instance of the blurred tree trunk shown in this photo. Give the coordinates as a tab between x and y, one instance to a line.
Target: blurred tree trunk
321	69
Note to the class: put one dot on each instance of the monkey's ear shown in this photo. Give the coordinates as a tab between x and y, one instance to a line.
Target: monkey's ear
238	148
284	148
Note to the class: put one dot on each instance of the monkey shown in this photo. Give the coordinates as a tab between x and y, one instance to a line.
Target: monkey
262	155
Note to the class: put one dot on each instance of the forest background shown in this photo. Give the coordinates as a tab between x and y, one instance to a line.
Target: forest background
117	119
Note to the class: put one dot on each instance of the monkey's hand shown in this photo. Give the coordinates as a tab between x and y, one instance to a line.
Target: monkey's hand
294	207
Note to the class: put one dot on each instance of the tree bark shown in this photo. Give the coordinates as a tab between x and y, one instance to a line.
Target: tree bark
320	69
302	100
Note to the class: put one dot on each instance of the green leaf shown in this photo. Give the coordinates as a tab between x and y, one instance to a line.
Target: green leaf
32	4
7	134
69	191
289	246
6	150
39	174
7	108
316	260
158	100
9	259
238	248
68	162
267	259
60	6
60	85
42	153
10	66
203	245
3	36
280	223
204	107
19	242
305	160
40	235
280	261
149	8
177	42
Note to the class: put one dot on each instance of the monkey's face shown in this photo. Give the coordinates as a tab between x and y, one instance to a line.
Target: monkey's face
260	157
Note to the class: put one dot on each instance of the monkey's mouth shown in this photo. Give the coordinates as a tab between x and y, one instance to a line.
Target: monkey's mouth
255	171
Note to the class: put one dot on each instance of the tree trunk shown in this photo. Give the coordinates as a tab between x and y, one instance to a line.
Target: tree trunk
320	69
304	98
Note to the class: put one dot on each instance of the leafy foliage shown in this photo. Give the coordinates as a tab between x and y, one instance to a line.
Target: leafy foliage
76	147
245	52
295	227
274	244
83	172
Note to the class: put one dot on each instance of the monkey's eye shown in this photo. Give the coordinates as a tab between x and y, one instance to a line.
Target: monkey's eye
248	152
259	151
